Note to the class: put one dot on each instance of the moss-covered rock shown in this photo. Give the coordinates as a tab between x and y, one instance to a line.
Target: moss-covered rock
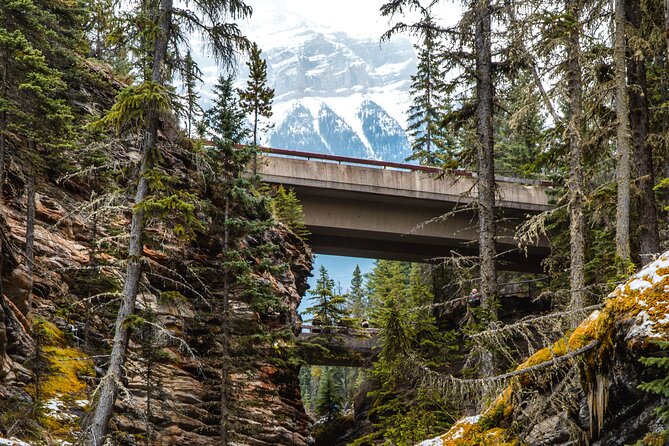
633	315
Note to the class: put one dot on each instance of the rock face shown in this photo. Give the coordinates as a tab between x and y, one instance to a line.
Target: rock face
584	390
173	375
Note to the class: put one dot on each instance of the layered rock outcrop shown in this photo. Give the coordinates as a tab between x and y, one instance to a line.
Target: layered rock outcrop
584	389
56	352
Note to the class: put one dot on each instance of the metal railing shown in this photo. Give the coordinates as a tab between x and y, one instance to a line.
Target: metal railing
388	164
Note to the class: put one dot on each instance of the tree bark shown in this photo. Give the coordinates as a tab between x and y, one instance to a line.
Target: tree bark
649	239
666	24
486	166
225	342
486	170
30	222
3	127
575	183
111	382
623	166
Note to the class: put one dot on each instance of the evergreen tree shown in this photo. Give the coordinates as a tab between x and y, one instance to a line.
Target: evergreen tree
623	137
143	108
245	215
659	386
404	414
430	144
191	76
328	308
356	296
257	98
287	209
330	399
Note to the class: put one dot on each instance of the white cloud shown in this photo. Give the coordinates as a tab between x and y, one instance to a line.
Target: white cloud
360	18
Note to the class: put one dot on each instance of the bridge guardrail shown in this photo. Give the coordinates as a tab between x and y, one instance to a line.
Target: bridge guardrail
390	164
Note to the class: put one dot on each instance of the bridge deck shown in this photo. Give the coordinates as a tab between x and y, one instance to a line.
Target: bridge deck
403	212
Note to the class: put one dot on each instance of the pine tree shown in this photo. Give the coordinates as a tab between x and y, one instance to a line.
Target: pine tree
245	216
659	386
328	308
143	107
430	144
330	399
574	82
191	76
623	137
257	98
638	55
287	209
356	296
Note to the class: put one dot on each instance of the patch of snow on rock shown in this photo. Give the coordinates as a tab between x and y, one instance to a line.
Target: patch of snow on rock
432	442
13	442
643	328
57	410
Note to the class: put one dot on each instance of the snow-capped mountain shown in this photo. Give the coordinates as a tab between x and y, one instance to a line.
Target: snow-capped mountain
334	93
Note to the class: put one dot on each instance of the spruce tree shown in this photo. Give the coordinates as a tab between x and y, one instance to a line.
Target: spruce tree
330	398
356	295
143	107
241	214
287	209
191	76
257	98
430	144
328	307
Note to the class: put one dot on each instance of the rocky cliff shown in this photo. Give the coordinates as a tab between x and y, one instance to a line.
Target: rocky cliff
52	357
584	389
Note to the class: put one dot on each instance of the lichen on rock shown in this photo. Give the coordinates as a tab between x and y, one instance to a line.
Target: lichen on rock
633	315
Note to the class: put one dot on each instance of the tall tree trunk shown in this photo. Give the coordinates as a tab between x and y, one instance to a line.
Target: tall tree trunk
575	184
649	239
3	127
255	142
109	386
486	168
225	357
623	166
666	25
30	221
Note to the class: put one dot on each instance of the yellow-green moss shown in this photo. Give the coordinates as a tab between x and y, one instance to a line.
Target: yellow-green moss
464	433
623	303
68	367
48	333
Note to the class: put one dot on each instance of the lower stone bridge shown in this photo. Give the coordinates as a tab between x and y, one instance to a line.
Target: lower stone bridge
338	346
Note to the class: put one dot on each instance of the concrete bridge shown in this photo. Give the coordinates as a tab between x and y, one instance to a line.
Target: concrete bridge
380	210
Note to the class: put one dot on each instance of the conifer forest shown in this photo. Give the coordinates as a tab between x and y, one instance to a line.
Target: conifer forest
164	220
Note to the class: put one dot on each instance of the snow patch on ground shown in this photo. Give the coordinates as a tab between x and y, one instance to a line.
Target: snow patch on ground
13	442
57	410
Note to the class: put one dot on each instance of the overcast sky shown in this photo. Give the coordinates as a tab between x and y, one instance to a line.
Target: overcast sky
355	17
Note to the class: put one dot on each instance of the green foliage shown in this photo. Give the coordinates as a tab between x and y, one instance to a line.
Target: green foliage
328	308
287	209
256	100
403	413
239	210
330	398
430	143
134	106
357	297
659	386
191	76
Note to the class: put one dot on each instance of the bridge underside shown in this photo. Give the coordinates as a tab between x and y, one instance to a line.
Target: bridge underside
405	215
412	230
